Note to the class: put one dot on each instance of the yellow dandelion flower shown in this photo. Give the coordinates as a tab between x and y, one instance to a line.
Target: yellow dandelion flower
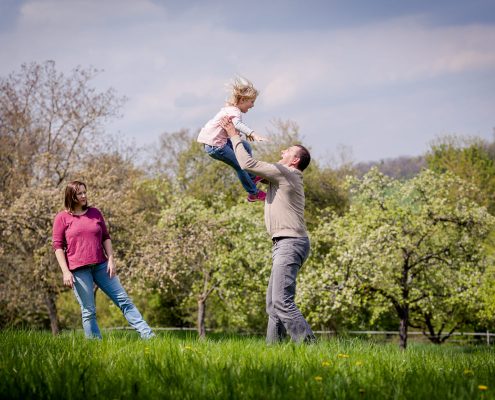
343	355
188	347
325	363
359	363
318	378
146	350
482	387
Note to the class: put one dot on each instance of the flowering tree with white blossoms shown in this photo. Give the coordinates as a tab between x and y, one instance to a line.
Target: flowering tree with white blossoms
415	245
195	254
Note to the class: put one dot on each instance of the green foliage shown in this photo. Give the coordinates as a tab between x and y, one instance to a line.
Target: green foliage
415	246
29	274
486	315
470	159
49	123
196	251
182	160
185	238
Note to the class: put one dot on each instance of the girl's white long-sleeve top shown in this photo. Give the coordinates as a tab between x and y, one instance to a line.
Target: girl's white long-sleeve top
214	135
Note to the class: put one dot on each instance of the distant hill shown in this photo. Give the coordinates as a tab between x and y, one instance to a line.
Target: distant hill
403	167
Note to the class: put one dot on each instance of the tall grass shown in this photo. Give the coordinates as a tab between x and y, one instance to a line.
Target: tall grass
37	365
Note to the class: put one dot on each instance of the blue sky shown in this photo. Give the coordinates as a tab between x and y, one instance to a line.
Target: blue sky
382	78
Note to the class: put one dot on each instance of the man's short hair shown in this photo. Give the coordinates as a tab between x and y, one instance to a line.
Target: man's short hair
304	157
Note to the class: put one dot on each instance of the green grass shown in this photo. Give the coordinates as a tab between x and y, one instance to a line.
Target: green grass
37	365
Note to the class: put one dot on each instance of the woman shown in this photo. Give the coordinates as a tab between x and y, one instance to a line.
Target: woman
84	252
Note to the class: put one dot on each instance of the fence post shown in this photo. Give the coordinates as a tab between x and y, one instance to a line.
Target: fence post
488	337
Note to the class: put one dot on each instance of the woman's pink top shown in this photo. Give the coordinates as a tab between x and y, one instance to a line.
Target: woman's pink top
81	236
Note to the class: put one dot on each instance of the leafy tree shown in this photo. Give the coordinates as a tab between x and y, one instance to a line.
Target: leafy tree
468	158
486	315
415	246
49	123
180	158
29	286
472	159
196	252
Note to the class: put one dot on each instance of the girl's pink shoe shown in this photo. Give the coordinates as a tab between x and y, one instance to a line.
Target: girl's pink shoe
257	179
260	196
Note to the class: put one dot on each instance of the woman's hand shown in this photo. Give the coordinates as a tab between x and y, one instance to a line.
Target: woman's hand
111	267
107	245
68	279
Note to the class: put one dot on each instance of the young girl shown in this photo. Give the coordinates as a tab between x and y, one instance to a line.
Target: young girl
217	143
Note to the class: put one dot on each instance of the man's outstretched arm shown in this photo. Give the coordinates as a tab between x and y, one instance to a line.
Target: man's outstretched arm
248	163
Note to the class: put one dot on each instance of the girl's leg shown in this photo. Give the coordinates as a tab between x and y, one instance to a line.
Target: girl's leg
114	290
226	154
83	289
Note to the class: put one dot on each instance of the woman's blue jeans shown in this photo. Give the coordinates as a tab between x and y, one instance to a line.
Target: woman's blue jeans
226	154
83	288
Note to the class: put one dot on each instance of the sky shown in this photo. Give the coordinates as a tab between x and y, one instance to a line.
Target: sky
381	78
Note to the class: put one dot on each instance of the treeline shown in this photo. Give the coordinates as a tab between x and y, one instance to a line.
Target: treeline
390	250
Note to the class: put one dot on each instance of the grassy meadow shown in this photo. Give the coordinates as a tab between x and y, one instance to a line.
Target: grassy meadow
178	366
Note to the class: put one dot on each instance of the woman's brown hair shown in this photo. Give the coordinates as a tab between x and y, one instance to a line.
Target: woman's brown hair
71	195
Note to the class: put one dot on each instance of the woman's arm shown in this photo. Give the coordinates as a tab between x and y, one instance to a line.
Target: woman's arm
59	244
107	245
67	275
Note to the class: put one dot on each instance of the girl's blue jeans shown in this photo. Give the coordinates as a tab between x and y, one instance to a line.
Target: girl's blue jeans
226	154
83	288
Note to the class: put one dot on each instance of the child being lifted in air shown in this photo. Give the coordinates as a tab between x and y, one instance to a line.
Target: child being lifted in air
217	143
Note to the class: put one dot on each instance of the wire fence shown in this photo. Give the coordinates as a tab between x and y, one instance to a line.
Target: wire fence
456	337
487	337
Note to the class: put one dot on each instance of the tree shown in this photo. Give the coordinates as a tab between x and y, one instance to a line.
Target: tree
416	246
180	158
486	314
30	275
49	123
468	158
196	252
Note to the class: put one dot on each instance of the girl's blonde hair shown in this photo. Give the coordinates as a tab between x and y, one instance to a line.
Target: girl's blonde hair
241	88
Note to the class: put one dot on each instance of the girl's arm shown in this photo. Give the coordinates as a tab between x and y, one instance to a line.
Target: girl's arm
250	134
241	126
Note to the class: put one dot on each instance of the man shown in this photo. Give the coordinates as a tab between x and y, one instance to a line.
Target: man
284	219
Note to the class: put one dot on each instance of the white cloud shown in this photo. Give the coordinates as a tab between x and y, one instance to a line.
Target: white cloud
77	13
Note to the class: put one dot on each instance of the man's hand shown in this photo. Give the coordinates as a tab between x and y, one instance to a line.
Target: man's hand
257	138
226	123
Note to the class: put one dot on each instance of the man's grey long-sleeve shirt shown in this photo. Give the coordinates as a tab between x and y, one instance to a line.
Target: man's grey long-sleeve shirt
284	204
